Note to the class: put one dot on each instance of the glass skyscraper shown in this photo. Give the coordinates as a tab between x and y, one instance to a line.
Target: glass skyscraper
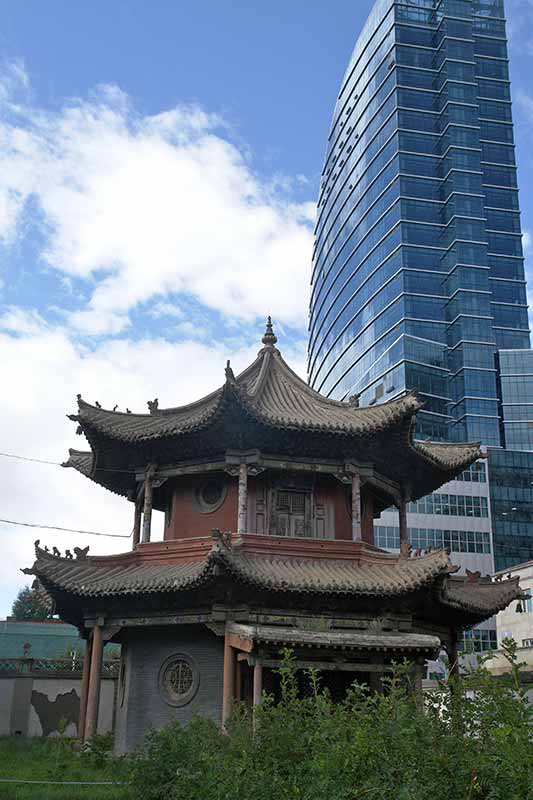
418	273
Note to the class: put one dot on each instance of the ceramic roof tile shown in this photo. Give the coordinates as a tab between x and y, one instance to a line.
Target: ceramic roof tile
388	576
269	389
354	640
95	577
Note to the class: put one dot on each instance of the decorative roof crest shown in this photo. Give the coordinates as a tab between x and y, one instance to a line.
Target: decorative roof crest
230	375
270	338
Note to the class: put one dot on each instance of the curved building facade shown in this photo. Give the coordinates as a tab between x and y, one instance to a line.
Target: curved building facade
418	274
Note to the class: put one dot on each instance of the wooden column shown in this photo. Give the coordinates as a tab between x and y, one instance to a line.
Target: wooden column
243	498
367	517
418	674
258	684
402	512
375	678
356	507
137	523
238	680
84	690
228	682
148	496
453	655
93	697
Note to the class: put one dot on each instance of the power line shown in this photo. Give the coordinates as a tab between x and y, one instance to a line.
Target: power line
66	530
36	460
59	464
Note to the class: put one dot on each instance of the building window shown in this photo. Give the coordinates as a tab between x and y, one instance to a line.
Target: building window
178	680
527	642
292	513
388	537
210	495
528	601
479	640
454	505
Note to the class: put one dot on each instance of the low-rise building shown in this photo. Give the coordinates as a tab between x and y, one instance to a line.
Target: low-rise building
516	622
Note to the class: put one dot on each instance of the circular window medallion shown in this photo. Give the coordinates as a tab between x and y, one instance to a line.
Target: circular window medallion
178	680
210	495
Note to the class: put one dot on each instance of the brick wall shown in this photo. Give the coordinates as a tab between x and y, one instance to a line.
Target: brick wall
144	704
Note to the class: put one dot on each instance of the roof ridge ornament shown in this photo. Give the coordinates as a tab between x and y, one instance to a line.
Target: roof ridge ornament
269	339
230	375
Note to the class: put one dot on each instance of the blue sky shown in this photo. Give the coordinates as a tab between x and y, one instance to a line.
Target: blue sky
159	165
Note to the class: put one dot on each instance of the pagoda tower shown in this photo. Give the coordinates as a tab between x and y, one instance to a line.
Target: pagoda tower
269	491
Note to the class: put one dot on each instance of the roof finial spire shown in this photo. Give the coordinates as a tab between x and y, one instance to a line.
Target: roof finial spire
270	337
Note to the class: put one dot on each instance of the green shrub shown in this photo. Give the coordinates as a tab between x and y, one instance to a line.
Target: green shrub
473	741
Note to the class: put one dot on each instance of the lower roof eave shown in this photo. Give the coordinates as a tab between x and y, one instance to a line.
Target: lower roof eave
335	640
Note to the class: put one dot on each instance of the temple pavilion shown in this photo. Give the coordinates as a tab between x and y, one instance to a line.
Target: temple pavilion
269	491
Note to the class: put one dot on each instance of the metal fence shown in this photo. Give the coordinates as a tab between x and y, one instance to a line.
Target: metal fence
52	666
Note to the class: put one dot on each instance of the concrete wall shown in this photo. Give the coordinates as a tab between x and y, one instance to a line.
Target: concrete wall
33	705
141	703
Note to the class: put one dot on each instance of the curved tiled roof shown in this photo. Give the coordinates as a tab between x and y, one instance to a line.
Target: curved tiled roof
264	407
343	639
80	460
485	595
385	576
100	577
269	390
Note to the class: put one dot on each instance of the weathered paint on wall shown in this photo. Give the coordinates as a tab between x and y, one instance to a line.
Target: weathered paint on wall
34	706
187	520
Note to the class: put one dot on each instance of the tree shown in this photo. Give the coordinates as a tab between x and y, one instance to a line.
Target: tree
32	604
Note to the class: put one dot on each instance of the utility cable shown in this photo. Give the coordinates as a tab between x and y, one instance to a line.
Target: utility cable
67	530
59	464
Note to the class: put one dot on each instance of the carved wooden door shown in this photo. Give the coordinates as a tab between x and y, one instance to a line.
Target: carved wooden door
292	513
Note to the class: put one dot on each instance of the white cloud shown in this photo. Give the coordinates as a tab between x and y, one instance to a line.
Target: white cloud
18	321
42	371
147	205
133	214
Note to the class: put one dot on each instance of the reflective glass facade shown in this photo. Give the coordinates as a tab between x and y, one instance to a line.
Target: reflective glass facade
511	500
418	275
516	382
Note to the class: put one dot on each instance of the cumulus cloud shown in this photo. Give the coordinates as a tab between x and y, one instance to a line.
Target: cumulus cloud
141	206
42	371
154	228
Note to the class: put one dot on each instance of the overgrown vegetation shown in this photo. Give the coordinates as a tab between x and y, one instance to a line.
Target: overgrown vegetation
473	741
56	759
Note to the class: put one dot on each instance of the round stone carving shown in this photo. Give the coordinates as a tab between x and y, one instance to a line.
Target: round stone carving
210	495
178	679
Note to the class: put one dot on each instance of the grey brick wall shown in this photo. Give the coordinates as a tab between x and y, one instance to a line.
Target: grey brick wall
144	706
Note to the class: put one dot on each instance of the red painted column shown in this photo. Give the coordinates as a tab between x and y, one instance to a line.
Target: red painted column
84	691
356	507
228	684
93	699
243	498
137	524
258	684
148	496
